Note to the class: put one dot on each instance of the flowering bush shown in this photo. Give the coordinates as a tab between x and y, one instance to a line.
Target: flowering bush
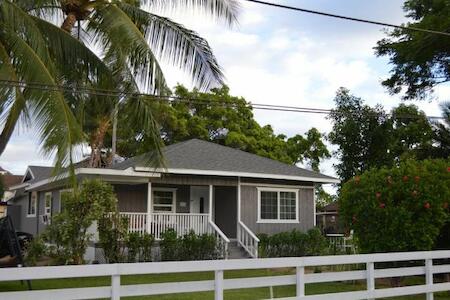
398	209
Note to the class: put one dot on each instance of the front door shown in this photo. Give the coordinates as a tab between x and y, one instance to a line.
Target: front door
225	207
199	197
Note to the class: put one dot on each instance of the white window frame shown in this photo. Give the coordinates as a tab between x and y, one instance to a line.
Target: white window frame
48	209
33	195
174	200
278	220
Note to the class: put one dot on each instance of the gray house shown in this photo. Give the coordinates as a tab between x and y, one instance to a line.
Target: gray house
204	187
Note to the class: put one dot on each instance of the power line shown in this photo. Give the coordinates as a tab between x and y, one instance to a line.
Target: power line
349	18
171	99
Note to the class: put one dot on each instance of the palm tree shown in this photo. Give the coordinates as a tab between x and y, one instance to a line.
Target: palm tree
52	52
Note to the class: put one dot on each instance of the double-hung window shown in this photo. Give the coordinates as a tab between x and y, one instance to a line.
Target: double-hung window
32	204
164	200
277	205
48	203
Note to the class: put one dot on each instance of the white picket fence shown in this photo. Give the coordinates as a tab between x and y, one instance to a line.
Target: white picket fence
219	284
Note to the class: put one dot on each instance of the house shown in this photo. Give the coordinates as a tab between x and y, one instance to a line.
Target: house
8	180
203	187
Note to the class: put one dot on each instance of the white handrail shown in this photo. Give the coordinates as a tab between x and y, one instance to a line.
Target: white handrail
248	240
115	289
224	240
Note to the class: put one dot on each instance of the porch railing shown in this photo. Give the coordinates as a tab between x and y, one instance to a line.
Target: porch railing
248	240
160	222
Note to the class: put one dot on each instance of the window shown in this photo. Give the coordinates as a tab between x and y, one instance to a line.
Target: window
164	200
48	203
32	204
277	206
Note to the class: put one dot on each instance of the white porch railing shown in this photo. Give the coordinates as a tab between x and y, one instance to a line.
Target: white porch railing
116	290
221	237
247	239
160	222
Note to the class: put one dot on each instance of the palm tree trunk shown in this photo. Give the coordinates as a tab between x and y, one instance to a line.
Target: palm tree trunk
97	143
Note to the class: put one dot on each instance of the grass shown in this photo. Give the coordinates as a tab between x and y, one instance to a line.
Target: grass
241	294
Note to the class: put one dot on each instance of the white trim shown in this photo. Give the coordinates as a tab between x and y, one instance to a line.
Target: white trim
95	171
315	209
30	200
45	203
149	205
277	221
281	186
174	199
211	195
239	174
18	186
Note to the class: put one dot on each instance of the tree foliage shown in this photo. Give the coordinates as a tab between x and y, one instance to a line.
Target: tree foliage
368	137
420	60
68	230
402	208
224	119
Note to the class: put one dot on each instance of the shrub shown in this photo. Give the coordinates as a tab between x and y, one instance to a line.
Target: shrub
68	229
112	231
293	244
398	209
139	247
190	246
35	250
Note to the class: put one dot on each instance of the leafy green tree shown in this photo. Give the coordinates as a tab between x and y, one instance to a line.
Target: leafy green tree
363	135
131	40
402	208
442	134
369	137
420	60
68	230
224	119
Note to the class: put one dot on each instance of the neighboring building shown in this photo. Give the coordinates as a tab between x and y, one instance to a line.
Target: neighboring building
3	171
8	180
204	187
328	219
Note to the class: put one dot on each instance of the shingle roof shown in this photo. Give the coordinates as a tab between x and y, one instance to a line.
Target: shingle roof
11	180
201	155
40	173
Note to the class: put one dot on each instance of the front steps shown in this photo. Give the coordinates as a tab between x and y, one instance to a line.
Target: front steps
235	251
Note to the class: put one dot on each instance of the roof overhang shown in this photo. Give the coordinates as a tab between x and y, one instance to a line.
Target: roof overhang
238	174
109	175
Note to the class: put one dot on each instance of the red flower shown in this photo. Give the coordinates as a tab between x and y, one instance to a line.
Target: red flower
378	195
427	205
445	205
416	179
414	193
382	205
448	169
405	178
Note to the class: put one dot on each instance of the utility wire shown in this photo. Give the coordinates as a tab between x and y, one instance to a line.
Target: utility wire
171	99
349	18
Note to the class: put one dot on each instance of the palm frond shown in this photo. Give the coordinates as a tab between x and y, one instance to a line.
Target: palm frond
227	10
179	46
125	43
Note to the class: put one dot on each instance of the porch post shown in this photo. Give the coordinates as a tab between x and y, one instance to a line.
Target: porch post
149	206
211	194
238	229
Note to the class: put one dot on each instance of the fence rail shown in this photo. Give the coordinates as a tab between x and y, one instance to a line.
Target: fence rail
219	284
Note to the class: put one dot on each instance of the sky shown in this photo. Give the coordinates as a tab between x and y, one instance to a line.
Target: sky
275	56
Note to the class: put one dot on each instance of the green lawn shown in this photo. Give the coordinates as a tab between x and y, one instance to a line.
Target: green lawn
242	294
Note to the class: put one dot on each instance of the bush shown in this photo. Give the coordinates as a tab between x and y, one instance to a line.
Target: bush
68	229
139	247
293	244
112	231
35	250
188	247
399	209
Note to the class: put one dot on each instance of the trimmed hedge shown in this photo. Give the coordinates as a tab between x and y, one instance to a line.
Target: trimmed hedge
293	244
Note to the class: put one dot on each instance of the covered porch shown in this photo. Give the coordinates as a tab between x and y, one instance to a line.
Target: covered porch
155	207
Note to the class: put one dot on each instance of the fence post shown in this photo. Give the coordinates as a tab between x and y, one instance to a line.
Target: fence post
218	285
300	282
370	269
429	276
115	287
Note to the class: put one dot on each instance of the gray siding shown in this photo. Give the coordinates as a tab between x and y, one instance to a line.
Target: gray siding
249	210
131	198
24	223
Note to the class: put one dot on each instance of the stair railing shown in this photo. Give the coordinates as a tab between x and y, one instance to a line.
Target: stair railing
222	239
248	240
